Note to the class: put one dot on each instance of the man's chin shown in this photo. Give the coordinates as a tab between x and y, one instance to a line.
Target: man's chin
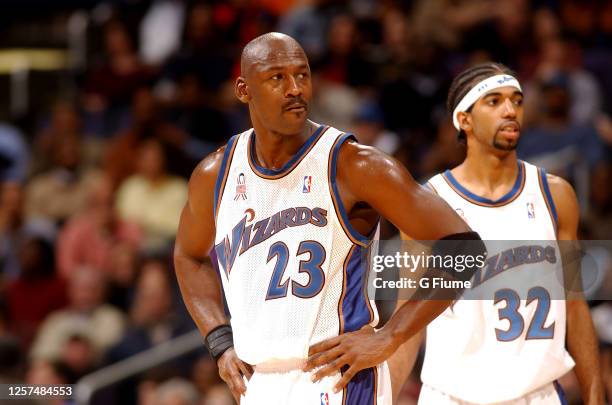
505	145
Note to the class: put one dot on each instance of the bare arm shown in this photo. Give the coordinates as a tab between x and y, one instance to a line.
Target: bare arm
197	280
581	338
370	175
195	237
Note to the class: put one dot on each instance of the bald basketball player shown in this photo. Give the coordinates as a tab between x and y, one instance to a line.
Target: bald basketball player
287	211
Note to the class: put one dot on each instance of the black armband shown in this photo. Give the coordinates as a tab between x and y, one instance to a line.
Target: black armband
461	245
219	340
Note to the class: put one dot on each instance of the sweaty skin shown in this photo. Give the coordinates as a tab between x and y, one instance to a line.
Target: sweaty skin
490	170
275	84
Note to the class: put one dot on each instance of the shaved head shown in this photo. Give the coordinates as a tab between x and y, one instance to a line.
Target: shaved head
275	82
265	48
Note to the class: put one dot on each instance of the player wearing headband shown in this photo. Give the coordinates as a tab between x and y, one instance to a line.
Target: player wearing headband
512	345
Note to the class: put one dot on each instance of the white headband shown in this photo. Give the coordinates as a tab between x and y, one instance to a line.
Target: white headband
488	84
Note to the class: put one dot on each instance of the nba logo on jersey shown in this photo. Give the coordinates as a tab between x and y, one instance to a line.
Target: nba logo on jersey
324	398
530	210
240	188
307	184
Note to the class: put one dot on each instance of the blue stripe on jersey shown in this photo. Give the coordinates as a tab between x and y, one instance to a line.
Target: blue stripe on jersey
274	172
361	390
548	196
509	195
222	176
560	392
356	311
353	234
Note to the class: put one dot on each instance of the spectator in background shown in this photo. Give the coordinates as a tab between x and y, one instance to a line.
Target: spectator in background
62	191
123	269
87	314
112	83
197	113
204	52
152	316
342	63
65	122
14	155
562	56
370	129
445	152
553	141
152	198
11	229
36	292
90	238
147	123
599	216
79	355
15	229
307	23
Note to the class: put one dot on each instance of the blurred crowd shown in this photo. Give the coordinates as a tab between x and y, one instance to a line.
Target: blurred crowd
92	182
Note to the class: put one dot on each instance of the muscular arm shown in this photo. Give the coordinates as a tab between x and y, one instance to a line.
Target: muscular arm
368	175
581	338
197	280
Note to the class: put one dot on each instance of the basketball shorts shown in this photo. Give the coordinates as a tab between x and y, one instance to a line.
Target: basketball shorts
550	394
369	387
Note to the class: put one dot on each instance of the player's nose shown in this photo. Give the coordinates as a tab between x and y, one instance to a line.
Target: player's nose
293	88
509	109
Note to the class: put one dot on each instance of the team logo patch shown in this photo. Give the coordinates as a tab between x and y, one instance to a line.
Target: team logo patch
307	184
241	189
530	210
324	398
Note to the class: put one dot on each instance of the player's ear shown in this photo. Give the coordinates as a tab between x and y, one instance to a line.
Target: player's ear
465	120
242	90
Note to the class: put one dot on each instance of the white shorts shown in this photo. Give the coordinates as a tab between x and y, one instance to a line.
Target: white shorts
369	387
551	394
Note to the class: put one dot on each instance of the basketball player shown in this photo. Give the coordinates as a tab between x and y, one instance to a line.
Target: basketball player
522	332
289	208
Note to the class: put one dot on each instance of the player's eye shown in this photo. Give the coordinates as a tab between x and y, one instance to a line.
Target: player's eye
277	76
518	101
302	75
492	101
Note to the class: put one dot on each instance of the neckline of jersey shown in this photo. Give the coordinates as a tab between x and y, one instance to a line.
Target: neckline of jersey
475	198
291	163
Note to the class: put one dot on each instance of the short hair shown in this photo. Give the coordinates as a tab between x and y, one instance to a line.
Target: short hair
464	82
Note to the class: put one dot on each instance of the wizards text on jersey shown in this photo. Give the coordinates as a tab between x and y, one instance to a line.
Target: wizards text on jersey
245	237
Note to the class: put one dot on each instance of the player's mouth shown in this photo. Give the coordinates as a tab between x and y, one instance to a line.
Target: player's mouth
296	108
510	130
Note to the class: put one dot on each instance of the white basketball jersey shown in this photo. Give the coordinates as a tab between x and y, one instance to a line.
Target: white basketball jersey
510	341
291	265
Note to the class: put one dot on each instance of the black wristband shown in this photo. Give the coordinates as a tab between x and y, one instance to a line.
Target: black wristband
461	244
219	340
